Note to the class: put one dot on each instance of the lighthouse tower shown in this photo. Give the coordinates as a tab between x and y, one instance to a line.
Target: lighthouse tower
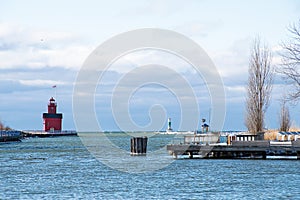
169	125
52	120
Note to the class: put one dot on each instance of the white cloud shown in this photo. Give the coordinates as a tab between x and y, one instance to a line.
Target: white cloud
276	51
160	9
151	56
39	82
238	89
199	28
36	49
233	61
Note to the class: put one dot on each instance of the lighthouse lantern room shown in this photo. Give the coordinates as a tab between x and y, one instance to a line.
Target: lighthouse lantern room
52	120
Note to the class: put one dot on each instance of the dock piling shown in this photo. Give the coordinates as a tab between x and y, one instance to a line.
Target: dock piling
138	146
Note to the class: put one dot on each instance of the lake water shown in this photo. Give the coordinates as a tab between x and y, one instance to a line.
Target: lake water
62	168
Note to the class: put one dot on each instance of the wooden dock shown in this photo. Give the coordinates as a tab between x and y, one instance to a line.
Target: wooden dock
238	149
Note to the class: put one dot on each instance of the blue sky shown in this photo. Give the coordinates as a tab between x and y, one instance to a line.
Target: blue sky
44	43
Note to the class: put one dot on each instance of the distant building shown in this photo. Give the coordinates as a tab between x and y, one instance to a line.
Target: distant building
287	136
204	126
52	120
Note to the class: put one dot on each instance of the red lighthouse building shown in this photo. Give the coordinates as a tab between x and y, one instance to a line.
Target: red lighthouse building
52	120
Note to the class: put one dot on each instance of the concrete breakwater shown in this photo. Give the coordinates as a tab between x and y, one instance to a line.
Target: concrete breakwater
39	133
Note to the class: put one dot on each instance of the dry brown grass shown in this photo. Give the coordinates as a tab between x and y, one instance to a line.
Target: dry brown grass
271	134
296	129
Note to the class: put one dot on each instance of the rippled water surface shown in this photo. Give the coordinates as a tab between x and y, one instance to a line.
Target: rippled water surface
62	168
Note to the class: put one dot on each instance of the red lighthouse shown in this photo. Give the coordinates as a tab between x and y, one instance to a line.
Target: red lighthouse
52	120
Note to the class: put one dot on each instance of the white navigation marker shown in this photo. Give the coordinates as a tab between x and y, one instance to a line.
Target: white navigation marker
169	125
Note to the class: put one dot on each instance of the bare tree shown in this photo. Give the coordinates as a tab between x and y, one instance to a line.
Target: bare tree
259	87
291	61
3	127
284	117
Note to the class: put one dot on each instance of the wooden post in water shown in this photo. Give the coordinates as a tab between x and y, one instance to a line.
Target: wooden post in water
138	146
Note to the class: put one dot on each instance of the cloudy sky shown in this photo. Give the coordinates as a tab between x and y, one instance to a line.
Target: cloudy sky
45	43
